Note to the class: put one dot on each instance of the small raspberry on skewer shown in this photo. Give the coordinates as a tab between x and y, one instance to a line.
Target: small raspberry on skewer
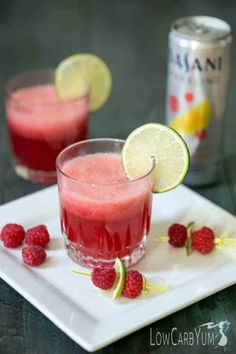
133	284
103	278
177	235
203	240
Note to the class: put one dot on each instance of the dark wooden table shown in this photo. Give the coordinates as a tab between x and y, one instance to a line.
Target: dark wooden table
131	36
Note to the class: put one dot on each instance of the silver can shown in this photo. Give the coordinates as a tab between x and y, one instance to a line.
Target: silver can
197	86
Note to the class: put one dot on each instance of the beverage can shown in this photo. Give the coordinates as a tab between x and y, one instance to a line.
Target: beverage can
197	87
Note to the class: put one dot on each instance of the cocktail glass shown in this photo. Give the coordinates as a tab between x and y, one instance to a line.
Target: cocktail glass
40	124
103	214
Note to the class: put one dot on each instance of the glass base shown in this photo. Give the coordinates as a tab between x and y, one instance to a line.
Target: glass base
35	175
82	258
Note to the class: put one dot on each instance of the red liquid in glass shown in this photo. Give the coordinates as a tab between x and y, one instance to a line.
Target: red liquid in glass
40	154
104	221
41	125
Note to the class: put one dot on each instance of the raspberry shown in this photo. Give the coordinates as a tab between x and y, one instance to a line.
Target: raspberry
177	235
37	236
103	278
12	235
133	284
33	255
203	240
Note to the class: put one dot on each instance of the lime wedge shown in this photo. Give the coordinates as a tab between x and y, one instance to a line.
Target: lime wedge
121	271
188	242
82	73
156	145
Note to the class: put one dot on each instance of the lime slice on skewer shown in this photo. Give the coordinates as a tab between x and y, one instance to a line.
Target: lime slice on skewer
80	73
121	270
156	143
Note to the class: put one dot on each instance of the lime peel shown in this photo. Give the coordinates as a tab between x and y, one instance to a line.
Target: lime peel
188	243
121	270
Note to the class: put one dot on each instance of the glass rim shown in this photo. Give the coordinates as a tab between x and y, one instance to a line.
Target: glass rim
9	91
60	170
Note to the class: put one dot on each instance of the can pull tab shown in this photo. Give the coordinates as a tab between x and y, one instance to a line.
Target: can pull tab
200	30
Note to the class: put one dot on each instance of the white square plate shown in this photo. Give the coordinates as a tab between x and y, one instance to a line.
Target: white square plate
77	308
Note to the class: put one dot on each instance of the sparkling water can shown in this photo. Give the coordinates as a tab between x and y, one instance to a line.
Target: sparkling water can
197	87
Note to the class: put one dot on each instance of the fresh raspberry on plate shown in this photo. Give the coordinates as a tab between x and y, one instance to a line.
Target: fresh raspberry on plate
203	240
133	284
103	278
12	235
177	235
37	236
33	255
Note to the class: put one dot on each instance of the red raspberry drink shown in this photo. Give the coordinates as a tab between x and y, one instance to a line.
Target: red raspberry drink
103	214
41	125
